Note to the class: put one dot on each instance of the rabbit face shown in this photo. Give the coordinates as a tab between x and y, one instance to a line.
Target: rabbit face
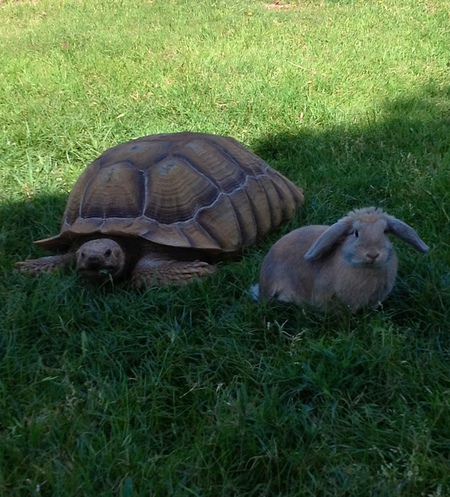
367	245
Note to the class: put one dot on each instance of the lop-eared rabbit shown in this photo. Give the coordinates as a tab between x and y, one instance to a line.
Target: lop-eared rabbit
352	261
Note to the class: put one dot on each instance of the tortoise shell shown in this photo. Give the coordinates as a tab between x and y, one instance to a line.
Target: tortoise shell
186	190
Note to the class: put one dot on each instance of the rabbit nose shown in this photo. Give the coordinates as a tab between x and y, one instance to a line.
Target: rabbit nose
372	256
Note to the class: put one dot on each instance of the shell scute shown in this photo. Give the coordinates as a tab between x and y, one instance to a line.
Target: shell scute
212	161
115	191
221	224
170	188
245	216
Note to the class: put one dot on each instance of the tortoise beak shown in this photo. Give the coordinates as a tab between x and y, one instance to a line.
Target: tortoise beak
97	272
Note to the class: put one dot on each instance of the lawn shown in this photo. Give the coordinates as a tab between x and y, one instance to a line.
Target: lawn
198	390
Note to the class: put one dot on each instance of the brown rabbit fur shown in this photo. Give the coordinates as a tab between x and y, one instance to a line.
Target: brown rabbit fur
352	260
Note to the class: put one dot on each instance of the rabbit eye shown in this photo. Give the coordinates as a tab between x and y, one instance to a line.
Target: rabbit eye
356	233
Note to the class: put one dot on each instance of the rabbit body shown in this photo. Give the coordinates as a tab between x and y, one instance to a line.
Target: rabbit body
352	261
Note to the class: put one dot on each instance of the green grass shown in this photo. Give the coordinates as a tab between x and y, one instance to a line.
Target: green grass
199	391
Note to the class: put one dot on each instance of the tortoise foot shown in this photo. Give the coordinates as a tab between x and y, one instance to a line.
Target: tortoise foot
155	272
41	265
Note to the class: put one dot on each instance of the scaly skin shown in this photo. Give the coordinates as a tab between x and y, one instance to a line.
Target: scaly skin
45	264
155	269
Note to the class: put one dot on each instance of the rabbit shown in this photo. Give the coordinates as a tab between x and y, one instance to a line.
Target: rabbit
352	261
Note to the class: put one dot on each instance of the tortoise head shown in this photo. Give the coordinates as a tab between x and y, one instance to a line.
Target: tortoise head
100	259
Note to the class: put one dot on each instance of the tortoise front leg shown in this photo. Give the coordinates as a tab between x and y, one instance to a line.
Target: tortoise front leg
45	264
157	270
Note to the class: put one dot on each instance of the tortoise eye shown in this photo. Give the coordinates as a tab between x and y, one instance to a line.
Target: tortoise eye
356	233
108	253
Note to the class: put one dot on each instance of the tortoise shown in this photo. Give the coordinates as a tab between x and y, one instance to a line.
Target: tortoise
163	208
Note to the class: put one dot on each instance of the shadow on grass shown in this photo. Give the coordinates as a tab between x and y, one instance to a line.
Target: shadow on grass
27	220
398	159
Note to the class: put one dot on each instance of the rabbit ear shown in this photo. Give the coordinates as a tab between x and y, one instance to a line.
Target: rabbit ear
326	240
405	233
